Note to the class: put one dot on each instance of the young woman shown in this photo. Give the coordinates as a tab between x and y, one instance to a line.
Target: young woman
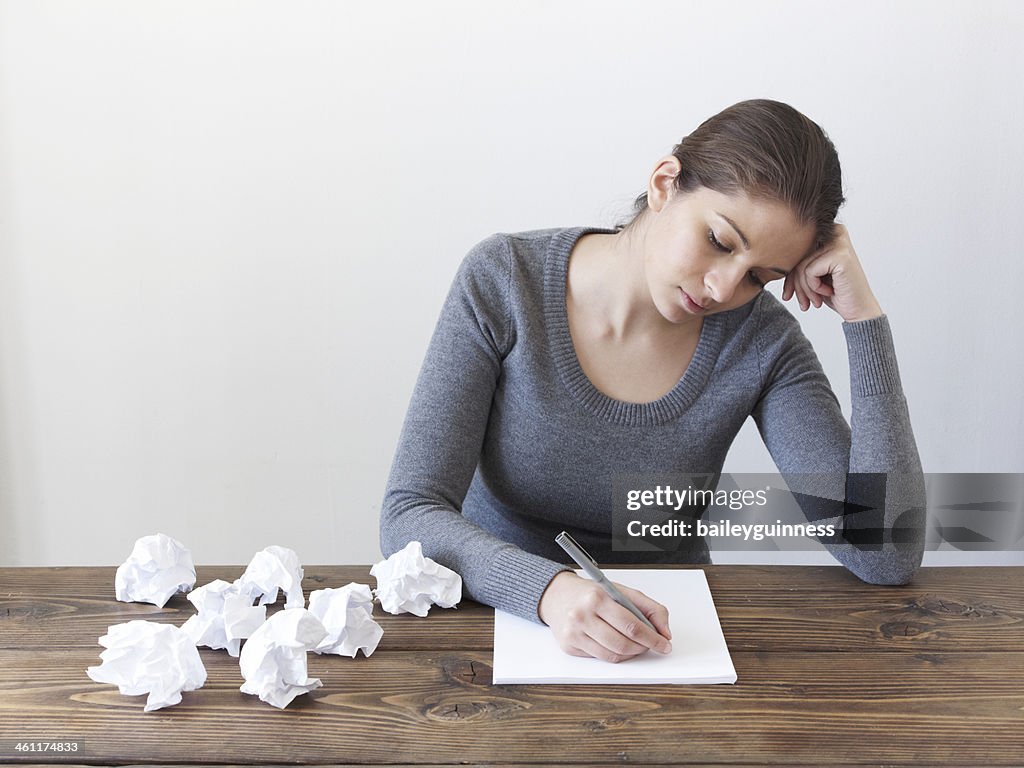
564	357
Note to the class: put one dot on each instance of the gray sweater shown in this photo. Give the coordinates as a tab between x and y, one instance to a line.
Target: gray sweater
506	442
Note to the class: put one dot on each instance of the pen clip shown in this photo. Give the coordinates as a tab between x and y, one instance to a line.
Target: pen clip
565	541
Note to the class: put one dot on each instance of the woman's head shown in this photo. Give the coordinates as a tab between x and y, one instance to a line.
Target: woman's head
769	151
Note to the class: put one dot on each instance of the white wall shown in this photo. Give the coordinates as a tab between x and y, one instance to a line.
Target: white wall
226	229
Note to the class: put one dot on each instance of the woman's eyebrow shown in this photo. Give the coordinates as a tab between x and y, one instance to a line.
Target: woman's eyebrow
746	244
732	224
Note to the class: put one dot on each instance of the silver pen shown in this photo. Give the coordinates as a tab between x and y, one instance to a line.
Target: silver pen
589	566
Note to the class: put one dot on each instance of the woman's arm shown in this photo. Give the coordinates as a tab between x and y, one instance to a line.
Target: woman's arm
441	439
866	479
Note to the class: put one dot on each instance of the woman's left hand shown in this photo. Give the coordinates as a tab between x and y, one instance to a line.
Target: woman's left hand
833	276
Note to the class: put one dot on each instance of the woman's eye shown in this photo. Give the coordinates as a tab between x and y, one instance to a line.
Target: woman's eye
752	276
714	242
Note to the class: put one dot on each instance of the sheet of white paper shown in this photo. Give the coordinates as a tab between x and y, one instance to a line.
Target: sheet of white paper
525	652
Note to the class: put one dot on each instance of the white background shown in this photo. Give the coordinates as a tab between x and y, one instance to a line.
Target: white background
226	229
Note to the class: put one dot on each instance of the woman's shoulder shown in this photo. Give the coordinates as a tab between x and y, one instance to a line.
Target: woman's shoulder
517	258
771	313
527	245
503	266
781	342
764	314
495	251
765	328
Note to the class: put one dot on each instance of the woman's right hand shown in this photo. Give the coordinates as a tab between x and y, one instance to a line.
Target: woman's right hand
587	622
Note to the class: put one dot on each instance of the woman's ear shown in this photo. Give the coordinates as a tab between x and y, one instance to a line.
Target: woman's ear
661	186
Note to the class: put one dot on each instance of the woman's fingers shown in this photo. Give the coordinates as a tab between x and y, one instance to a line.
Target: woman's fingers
655	612
820	286
588	646
622	621
810	296
810	282
834	276
793	287
614	645
587	621
799	291
818	274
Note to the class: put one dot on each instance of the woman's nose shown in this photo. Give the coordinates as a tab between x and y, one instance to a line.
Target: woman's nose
722	284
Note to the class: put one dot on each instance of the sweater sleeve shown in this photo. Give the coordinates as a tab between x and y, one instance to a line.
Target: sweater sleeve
866	479
442	436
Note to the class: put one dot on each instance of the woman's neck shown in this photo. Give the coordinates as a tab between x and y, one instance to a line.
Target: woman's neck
607	285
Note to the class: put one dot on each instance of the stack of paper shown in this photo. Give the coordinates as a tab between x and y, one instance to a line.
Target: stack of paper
525	652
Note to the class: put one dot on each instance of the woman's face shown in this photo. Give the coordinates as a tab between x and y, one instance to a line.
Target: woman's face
708	252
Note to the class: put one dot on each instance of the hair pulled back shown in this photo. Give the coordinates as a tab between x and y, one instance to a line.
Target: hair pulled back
768	150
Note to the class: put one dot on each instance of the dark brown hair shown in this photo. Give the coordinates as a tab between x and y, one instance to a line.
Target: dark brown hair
768	150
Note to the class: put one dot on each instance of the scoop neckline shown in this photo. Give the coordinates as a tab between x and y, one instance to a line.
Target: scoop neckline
669	406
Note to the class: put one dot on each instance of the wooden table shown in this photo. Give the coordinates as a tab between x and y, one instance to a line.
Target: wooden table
830	671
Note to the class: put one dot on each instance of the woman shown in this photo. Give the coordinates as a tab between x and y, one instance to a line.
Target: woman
564	357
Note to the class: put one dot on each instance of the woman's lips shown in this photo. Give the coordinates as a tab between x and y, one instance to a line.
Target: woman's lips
690	304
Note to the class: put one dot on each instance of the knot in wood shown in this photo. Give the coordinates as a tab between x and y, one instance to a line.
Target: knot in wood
604	724
932	604
468	671
893	629
458	710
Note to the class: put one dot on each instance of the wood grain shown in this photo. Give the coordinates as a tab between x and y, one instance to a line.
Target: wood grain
760	608
403	706
830	671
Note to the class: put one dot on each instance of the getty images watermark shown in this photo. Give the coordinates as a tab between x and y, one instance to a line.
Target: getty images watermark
680	512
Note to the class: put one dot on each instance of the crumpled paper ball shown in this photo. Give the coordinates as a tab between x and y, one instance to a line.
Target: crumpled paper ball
408	582
347	615
226	616
157	568
147	657
273	659
271	569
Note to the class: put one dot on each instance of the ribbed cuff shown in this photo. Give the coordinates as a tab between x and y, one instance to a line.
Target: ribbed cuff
516	581
873	368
